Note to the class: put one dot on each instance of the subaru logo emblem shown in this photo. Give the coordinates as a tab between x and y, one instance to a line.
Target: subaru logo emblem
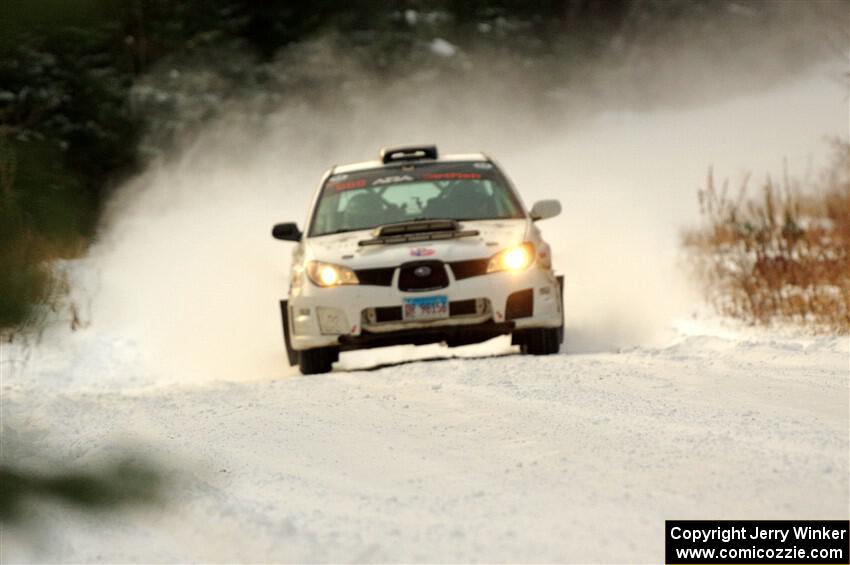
422	271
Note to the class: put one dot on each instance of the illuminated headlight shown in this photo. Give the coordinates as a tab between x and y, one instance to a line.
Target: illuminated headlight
512	259
327	274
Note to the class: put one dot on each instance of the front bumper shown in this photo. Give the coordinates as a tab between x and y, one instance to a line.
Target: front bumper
481	307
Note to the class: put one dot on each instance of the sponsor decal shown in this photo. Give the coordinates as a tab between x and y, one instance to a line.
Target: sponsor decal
422	251
358	183
451	176
393	179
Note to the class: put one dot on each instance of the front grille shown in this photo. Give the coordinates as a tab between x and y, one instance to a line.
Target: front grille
520	304
409	280
470	268
376	277
460	269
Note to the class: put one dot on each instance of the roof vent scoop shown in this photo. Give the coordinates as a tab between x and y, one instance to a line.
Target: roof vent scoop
410	153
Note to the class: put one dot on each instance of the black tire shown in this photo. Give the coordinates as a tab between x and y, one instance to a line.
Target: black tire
316	361
541	341
561	295
291	354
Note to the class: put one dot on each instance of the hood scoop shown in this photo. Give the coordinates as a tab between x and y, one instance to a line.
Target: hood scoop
419	230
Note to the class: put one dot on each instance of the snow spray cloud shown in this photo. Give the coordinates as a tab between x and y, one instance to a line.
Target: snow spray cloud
187	270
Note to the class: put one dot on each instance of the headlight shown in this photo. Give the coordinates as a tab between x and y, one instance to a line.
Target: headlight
327	274
512	259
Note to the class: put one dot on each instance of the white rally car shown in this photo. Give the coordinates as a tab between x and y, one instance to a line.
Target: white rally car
416	248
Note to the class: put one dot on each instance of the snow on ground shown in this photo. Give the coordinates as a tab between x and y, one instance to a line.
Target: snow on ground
487	457
575	457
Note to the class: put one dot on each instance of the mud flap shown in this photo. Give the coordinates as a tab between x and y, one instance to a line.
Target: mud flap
561	291
291	354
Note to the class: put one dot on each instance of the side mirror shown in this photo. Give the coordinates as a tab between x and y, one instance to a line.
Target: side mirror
543	209
288	231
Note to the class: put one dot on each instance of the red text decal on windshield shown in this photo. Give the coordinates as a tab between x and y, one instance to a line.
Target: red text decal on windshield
451	176
359	183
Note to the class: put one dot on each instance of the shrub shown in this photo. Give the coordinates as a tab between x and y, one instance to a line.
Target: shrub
782	255
40	213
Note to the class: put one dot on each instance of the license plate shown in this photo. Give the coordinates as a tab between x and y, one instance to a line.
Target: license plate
425	308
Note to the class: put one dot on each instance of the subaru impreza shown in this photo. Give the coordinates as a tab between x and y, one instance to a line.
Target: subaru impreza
418	248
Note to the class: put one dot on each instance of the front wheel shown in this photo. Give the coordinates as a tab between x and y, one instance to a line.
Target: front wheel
540	341
319	360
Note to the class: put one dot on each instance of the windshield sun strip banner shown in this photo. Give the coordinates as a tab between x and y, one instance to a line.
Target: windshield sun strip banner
382	177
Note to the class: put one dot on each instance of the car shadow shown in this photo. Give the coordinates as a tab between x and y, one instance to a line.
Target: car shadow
577	341
388	364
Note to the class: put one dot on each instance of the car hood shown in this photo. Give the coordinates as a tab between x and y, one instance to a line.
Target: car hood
344	248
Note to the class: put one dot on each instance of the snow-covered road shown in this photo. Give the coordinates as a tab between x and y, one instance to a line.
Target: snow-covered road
578	457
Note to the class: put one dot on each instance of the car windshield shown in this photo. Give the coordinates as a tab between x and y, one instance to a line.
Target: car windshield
371	198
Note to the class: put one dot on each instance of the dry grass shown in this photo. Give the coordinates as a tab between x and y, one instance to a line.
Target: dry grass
779	256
